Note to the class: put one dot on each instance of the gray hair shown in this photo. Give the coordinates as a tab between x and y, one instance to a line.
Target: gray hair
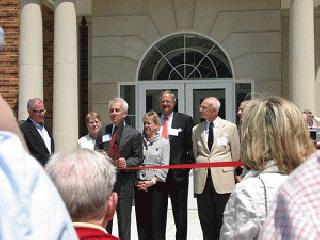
214	102
124	104
33	101
85	180
170	93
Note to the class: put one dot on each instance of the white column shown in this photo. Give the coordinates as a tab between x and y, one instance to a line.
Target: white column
30	54
301	52
65	104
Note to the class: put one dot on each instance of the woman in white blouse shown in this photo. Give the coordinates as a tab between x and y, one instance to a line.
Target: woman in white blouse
274	141
93	122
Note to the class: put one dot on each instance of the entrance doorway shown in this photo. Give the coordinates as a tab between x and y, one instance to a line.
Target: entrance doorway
189	95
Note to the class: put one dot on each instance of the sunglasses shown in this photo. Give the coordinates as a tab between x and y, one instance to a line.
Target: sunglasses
39	111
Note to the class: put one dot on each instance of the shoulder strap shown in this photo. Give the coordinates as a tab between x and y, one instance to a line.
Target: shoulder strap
265	195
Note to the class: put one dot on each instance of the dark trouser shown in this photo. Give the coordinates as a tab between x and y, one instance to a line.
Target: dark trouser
124	209
151	212
178	193
211	206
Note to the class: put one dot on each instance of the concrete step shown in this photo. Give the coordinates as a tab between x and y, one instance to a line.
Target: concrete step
194	229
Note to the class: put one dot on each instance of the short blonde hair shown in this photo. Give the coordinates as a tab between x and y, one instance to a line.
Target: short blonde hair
92	115
153	117
273	129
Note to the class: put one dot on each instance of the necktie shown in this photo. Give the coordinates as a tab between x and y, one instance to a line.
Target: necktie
210	138
114	134
114	130
113	150
165	128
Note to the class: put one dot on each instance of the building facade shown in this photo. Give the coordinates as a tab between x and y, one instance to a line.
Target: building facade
78	55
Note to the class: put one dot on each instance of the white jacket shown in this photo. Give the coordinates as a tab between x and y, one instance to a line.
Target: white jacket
245	211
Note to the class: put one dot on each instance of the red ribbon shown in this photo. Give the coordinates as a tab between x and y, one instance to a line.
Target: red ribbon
195	165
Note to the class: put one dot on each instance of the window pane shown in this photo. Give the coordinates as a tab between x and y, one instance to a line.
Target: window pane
128	93
185	56
243	92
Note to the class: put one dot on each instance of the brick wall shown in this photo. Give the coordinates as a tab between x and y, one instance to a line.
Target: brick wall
9	57
9	60
48	39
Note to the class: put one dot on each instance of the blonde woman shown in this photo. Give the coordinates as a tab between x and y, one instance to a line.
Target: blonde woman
150	194
274	141
93	122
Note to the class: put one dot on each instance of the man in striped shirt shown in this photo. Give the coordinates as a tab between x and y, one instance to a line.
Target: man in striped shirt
296	210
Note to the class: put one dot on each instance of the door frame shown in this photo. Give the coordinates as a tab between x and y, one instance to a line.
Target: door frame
226	84
185	88
143	86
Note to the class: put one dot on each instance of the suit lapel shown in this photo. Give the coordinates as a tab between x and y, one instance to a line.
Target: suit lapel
51	138
219	130
202	128
35	133
122	134
174	124
175	121
108	130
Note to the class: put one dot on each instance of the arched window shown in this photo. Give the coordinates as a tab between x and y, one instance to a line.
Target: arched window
184	57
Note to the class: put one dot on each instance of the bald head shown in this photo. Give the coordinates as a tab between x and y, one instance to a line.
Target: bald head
209	108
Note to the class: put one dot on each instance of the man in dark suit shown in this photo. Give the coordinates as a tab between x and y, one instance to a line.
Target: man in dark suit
177	127
37	135
124	145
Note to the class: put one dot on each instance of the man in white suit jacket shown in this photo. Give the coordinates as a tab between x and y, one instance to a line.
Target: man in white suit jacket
212	186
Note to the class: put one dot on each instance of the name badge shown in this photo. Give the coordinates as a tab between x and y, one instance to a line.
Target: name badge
106	138
222	141
174	132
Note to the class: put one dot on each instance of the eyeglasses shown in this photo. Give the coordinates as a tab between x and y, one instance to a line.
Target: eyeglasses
39	111
202	107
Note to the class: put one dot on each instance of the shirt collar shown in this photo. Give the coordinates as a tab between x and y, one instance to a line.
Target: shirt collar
88	225
215	123
113	125
38	125
169	116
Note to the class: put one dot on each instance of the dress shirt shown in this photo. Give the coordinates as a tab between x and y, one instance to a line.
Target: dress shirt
296	210
86	142
44	134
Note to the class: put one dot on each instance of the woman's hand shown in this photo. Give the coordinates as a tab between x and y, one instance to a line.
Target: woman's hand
144	185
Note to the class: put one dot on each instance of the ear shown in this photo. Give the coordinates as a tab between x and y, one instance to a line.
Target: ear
175	103
111	206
